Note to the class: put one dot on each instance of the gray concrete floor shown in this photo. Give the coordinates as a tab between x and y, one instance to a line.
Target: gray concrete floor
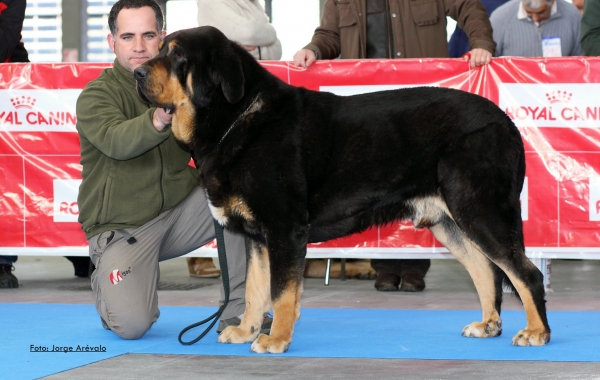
575	286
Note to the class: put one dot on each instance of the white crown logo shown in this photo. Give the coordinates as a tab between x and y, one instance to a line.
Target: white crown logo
23	102
559	97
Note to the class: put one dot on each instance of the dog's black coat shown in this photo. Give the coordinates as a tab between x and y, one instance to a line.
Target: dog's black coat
312	166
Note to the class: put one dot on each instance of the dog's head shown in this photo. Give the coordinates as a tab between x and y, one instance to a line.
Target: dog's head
191	65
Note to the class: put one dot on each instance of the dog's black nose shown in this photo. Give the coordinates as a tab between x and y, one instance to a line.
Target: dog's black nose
140	72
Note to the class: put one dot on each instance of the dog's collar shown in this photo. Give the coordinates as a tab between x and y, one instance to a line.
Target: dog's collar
239	117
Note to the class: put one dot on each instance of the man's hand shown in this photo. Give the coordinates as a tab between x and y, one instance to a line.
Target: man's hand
478	57
304	58
161	119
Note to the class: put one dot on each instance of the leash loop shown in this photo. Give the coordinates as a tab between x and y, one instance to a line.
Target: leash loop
225	277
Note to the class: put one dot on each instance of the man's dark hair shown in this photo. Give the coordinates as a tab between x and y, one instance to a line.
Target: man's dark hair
135	4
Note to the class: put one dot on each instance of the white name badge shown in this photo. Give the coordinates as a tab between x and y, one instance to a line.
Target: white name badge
551	47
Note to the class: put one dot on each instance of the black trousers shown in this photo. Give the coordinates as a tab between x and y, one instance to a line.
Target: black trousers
400	267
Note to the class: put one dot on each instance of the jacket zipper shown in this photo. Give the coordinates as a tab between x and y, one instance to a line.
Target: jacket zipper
160	180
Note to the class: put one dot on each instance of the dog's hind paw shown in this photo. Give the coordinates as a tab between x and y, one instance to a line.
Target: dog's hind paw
483	329
232	334
265	343
527	337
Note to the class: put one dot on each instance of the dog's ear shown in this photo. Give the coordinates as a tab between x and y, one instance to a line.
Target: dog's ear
228	71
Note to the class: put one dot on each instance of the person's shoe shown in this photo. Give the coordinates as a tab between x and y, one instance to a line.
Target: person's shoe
202	267
265	328
412	282
7	279
387	282
82	264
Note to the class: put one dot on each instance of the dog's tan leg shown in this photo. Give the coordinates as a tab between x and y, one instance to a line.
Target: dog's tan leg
535	333
258	298
286	310
480	269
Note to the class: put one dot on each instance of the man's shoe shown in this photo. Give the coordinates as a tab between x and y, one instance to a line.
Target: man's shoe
82	264
387	282
412	282
265	328
7	279
202	267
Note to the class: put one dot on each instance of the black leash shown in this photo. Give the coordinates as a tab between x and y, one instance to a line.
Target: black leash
225	277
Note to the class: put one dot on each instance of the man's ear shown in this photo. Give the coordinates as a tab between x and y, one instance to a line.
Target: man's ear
111	42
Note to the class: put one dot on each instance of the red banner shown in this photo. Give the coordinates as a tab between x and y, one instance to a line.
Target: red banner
553	101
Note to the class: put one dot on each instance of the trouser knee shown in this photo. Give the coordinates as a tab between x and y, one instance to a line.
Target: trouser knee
131	326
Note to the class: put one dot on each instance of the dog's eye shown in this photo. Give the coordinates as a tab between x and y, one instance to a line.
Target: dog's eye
177	54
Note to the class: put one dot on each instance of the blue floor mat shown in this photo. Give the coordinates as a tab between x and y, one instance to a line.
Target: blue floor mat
323	333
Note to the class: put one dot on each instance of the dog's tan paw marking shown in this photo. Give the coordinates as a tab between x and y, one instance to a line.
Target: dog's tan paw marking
265	343
527	337
233	334
483	329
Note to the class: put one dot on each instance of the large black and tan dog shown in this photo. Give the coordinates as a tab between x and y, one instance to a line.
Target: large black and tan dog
287	166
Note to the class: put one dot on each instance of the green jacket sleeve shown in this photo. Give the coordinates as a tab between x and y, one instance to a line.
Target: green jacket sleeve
590	28
102	117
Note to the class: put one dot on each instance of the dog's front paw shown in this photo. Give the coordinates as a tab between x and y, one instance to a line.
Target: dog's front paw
483	329
232	334
265	343
531	337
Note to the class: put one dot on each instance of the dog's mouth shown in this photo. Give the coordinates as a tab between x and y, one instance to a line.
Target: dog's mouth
168	108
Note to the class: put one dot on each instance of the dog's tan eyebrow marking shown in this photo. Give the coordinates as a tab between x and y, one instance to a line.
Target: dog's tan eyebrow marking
172	45
190	84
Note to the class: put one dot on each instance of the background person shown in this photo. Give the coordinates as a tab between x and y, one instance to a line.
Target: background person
579	4
458	45
12	49
12	14
242	21
139	200
354	29
537	28
590	28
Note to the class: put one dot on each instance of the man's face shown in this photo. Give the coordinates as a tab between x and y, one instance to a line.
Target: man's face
540	14
137	38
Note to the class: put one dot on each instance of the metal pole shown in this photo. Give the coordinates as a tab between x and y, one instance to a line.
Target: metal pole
268	9
327	271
